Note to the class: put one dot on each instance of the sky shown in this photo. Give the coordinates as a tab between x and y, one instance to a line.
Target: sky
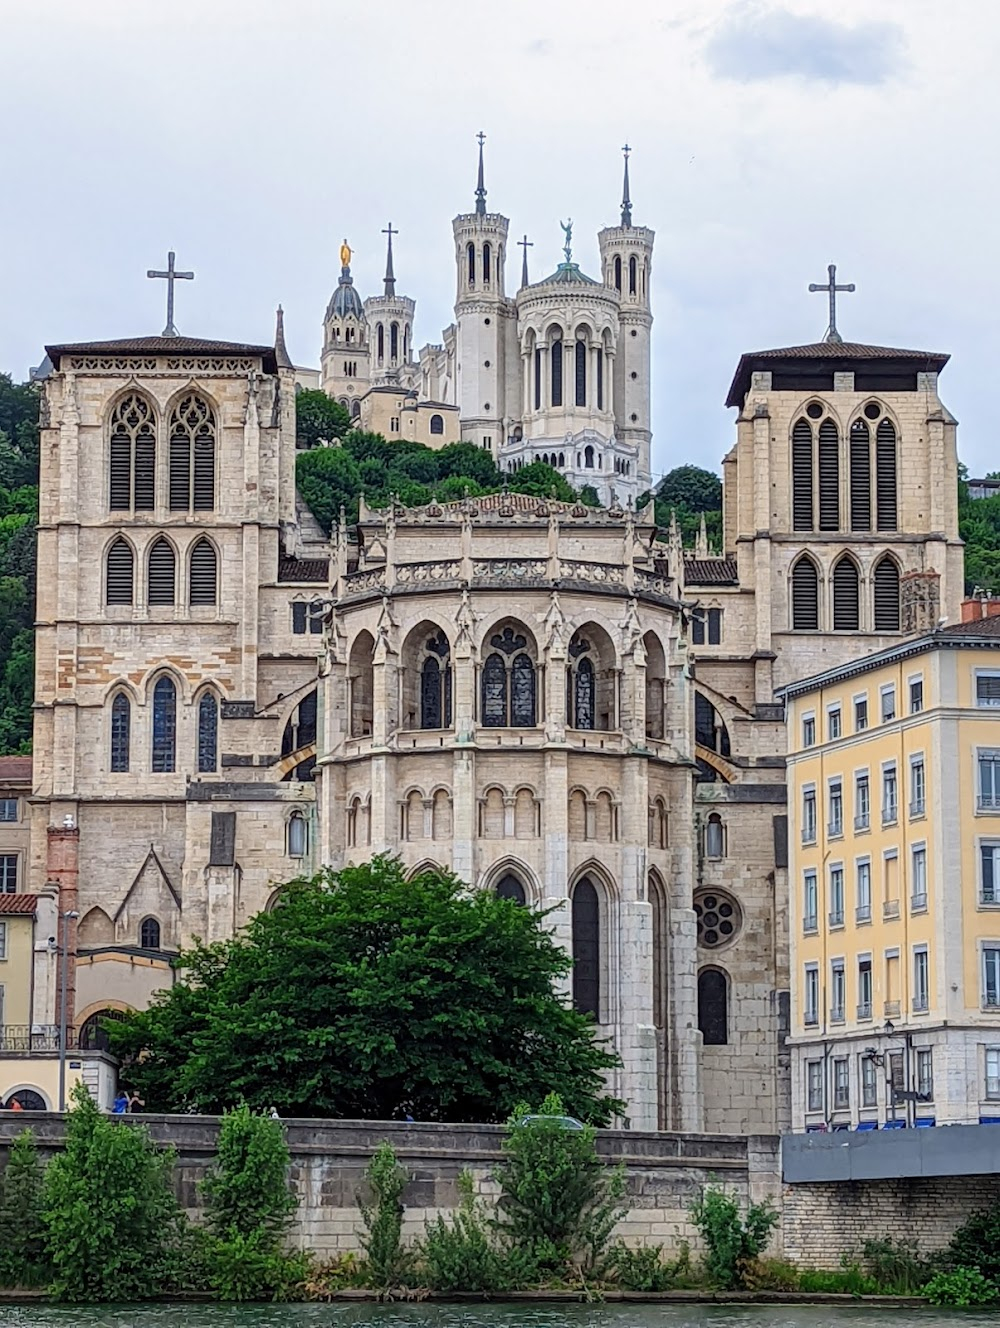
769	139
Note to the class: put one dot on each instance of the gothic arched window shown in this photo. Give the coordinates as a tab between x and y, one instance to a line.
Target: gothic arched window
802	476
586	922
522	693
557	372
618	272
393	343
886	583
203	587
161	573
583	710
149	934
805	596
581	373
208	733
709	727
435	684
509	887
632	270
715	837
588	457
713	1007
860	449
164	726
121	733
132	456
487	255
846	596
380	342
470	253
192	456
829	476
437	424
297	835
885	474
119	576
508	684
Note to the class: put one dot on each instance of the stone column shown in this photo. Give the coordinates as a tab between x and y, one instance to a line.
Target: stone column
62	868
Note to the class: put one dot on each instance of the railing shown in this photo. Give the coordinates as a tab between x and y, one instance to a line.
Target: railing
918	807
808	834
836	1014
371	578
810	922
26	1039
920	1005
989	895
918	903
890	814
510	571
863	913
413	573
610	574
891	1009
861	822
835	829
811	1018
890	910
836	917
865	1010
988	802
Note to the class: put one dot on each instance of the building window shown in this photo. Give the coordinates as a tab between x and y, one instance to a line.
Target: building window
811	997
805	596
119	575
121	729
161	571
810	907
8	873
149	934
556	372
988	689
863	884
437	424
307	618
809	816
846	596
869	1083
814	1085
925	1073
203	587
394	424
829	476
507	693
885	474
841	1083
581	373
916	696
886	583
717	917
435	683
991	975
297	836
809	731
887	698
921	980
208	733
993	1072
833	724
164	726
509	887
918	786
861	476
865	988
8	809
192	456
3	950
706	624
918	878
989	780
836	801
989	873
586	923
862	802
132	456
802	475
713	1007
860	714
838	991
715	837
836	896
890	796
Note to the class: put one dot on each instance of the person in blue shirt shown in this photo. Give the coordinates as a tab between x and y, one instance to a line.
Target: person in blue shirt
121	1103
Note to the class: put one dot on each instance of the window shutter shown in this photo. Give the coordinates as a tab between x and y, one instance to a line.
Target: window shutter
885	474
829	476
846	606
120	495
203	573
120	574
161	573
805	596
180	472
802	476
861	476
145	472
886	593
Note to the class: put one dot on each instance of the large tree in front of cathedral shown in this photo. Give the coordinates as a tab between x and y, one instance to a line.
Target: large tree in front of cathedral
367	995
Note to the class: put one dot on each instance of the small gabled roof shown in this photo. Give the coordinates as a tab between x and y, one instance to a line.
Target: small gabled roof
23	904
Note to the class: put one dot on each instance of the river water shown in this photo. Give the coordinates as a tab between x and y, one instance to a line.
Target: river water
486	1316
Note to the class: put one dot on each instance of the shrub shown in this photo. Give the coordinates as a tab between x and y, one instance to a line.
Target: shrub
896	1265
733	1242
22	1234
558	1201
771	1275
246	1192
962	1286
645	1269
241	1268
976	1244
112	1225
329	1278
386	1260
459	1254
850	1280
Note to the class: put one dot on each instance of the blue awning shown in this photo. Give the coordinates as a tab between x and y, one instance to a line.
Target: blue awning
989	1120
894	1125
867	1125
923	1122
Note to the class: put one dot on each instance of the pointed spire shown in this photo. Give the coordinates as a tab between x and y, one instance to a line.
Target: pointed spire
280	349
525	244
390	276
626	199
701	543
480	183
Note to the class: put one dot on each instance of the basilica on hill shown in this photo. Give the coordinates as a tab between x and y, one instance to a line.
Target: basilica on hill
557	702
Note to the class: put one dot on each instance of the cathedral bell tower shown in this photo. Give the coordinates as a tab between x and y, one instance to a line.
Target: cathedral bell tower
390	329
484	317
626	263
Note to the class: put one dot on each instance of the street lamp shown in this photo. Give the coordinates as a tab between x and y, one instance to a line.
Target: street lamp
70	916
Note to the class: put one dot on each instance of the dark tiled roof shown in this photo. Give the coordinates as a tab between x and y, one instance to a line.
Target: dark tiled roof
163	346
18	904
710	572
831	353
313	570
977	627
15	769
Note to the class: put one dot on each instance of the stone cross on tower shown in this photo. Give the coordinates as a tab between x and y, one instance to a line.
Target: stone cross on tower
831	332
171	275
525	244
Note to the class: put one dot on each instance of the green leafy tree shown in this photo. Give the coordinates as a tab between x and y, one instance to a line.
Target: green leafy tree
541	481
468	461
22	1233
382	1214
246	1192
369	995
976	1243
112	1224
691	488
318	416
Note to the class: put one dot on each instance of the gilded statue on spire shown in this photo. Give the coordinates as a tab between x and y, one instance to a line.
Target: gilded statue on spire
345	255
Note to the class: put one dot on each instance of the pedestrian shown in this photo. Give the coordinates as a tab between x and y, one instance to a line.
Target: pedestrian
274	1114
15	1105
120	1105
135	1102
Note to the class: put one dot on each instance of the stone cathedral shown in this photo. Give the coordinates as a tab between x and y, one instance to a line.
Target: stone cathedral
557	702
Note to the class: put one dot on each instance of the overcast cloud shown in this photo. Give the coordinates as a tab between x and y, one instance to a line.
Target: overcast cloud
769	140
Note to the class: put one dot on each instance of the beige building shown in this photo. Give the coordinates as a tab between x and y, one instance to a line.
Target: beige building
15	789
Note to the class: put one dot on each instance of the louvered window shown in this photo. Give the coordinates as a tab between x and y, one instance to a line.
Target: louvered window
805	596
886	595
204	573
164	726
846	603
861	476
192	456
581	373
120	575
132	456
121	727
802	476
829	476
557	373
161	573
885	474
208	733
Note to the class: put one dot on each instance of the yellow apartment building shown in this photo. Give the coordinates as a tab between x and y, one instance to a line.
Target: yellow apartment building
894	881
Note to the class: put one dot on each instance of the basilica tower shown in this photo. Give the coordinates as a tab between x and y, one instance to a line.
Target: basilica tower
344	364
390	329
626	263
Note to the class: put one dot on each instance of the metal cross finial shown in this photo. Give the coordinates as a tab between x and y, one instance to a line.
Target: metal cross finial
626	199
525	244
390	276
831	286
171	275
481	182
